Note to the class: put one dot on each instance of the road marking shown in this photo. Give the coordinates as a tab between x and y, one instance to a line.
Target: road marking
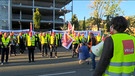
59	73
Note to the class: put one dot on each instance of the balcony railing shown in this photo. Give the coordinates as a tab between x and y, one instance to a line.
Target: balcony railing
38	3
29	17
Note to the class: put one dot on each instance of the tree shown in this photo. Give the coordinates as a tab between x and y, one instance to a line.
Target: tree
131	23
80	25
90	22
37	18
100	8
64	27
74	21
84	26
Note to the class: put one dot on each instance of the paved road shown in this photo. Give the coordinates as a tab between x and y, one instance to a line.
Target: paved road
64	65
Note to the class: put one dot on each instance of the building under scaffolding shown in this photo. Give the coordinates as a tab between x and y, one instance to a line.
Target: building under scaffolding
17	14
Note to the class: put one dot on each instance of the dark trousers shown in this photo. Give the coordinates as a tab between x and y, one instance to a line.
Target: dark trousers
21	48
74	47
0	49
44	49
3	52
53	48
59	42
31	53
39	45
93	60
12	49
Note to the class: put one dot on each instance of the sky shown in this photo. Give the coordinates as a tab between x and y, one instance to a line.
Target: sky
81	8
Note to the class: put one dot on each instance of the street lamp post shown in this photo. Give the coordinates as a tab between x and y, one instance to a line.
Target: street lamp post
72	8
20	25
33	13
9	14
53	14
64	15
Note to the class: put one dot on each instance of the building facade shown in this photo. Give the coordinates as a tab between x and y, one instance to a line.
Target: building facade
17	14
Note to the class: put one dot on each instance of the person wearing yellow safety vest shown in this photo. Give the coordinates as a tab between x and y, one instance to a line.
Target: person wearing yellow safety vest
21	43
118	56
36	36
98	37
92	42
59	35
30	40
5	48
53	45
48	36
44	44
39	41
12	48
75	44
0	41
88	37
82	38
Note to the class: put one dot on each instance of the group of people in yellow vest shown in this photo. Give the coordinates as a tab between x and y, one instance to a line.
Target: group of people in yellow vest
80	38
28	41
43	40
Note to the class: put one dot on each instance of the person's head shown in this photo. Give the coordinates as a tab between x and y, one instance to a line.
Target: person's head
5	35
43	33
74	34
78	33
118	24
98	34
81	44
91	35
20	34
0	33
11	34
53	34
30	34
82	34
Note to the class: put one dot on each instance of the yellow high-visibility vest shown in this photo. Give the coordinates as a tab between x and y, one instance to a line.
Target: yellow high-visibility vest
98	38
30	41
18	40
52	40
43	39
76	40
123	61
5	41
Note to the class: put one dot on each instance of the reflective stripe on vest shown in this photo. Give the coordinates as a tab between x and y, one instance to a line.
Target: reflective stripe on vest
30	41
18	40
56	40
88	38
59	36
119	74
121	64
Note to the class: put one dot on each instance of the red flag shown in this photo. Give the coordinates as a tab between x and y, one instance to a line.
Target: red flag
67	41
69	26
65	37
73	29
30	30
